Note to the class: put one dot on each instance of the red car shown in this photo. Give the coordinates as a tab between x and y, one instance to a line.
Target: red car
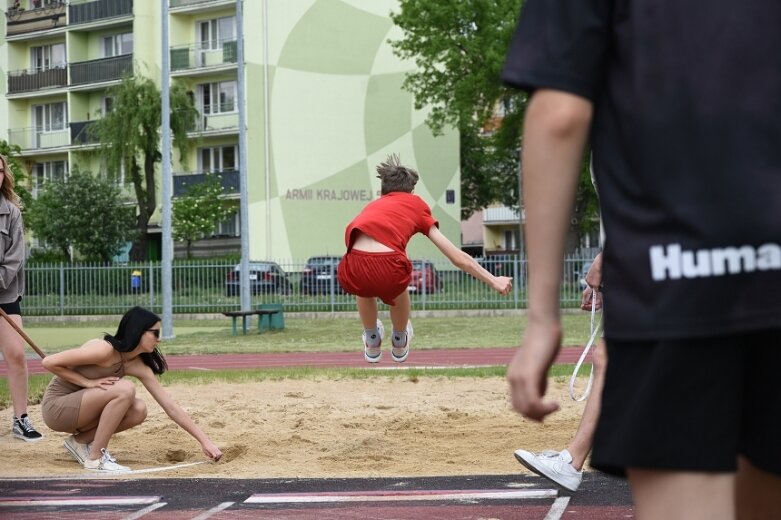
425	278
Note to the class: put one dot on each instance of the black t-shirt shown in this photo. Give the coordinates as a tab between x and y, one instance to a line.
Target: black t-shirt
686	142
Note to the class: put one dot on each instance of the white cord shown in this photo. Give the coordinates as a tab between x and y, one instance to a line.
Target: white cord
595	329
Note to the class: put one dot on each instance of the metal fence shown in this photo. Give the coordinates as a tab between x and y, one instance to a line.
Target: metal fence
211	286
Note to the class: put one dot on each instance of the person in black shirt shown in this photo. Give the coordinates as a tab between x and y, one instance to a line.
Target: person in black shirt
680	108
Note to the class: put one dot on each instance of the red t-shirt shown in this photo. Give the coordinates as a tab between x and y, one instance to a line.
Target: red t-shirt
392	220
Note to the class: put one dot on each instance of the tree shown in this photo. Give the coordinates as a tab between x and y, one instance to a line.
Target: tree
83	212
130	140
459	48
198	211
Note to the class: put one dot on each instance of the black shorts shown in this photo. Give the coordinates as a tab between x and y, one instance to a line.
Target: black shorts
12	308
691	405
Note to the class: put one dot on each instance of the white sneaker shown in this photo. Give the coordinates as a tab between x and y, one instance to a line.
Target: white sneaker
555	465
79	451
373	354
105	464
399	354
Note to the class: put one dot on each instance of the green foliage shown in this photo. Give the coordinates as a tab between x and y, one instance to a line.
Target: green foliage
85	212
130	139
199	210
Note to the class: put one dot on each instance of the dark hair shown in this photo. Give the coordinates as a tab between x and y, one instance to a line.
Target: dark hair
132	326
395	177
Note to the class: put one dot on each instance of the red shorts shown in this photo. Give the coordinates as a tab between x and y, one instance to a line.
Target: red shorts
375	275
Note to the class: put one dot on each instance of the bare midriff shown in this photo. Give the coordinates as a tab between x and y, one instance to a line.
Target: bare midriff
367	244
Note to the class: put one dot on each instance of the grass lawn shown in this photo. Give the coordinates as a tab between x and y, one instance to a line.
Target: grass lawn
312	335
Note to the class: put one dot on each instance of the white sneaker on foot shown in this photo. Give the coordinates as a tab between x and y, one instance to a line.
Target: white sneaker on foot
79	451
399	354
373	354
555	465
105	464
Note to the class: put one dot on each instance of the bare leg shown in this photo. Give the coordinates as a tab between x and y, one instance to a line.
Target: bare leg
12	346
110	409
758	492
399	313
674	495
580	445
367	310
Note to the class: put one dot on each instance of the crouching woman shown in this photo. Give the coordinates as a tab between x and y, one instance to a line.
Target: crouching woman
91	399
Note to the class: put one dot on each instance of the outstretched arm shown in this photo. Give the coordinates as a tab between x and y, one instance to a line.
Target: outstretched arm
501	284
172	408
555	132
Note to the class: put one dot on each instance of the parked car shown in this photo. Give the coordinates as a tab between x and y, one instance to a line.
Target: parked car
425	278
319	275
264	278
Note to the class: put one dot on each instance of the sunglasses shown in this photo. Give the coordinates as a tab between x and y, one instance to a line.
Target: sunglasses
155	332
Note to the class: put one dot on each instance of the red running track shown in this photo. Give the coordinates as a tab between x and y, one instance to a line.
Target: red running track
417	359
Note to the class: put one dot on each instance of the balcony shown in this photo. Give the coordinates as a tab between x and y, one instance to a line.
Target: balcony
190	6
21	21
205	56
83	12
500	215
80	133
229	180
36	79
220	123
36	138
101	70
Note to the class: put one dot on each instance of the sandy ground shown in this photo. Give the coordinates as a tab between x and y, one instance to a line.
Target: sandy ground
308	429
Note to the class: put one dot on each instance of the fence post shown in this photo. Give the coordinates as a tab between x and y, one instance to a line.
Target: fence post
516	279
151	284
62	289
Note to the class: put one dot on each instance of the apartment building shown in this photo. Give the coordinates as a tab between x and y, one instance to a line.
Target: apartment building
323	105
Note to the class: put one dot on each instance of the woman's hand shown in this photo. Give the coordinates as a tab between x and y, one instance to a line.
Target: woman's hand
211	450
104	383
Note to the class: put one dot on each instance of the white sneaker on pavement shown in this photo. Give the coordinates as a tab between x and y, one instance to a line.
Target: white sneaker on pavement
554	465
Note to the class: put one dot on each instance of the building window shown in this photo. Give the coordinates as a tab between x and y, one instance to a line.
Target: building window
229	227
107	104
211	33
217	98
50	117
118	45
218	159
47	172
47	57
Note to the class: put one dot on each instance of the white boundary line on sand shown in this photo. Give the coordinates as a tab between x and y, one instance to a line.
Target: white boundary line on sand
95	475
399	496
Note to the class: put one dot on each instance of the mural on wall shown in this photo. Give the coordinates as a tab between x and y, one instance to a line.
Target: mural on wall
337	110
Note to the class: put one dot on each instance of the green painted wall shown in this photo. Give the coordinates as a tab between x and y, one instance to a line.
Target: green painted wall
336	109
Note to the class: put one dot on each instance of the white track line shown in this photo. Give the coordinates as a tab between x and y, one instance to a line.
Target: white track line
213	511
398	496
557	509
76	501
143	512
92	476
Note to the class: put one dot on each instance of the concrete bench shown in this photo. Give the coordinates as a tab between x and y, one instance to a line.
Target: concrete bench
235	315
